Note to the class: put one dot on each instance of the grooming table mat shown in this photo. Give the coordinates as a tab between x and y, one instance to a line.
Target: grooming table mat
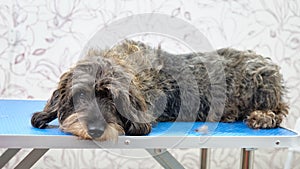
17	132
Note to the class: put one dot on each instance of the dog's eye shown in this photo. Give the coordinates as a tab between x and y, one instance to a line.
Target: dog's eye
79	96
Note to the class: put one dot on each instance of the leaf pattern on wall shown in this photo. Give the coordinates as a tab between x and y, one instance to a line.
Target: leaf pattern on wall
39	40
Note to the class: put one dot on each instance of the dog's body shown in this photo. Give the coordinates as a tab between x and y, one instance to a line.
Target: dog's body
126	88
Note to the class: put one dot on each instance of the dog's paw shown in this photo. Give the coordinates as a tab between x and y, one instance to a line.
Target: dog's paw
261	119
39	120
137	129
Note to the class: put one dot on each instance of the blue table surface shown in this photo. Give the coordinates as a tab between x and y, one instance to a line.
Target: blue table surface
15	118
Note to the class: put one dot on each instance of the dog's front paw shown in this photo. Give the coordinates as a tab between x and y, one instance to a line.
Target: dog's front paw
39	120
261	119
137	129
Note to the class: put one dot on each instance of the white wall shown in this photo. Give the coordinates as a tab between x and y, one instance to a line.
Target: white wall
40	39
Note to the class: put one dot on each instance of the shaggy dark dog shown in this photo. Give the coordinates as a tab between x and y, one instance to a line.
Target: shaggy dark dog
127	88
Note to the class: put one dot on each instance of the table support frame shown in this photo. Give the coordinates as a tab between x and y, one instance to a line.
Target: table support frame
247	158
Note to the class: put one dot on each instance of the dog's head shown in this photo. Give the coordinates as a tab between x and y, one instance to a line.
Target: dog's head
98	99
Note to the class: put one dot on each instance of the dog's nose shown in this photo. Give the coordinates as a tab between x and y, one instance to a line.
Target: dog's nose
95	132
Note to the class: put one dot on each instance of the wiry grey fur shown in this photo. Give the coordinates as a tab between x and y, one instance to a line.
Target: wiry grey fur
126	88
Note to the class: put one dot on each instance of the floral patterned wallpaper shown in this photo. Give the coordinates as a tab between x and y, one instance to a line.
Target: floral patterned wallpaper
40	39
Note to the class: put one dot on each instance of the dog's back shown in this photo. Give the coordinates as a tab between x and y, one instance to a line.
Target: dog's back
252	84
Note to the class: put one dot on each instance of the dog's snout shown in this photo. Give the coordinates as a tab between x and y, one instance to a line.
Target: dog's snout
95	132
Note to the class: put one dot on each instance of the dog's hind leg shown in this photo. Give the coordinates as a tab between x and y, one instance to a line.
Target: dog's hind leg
261	119
269	112
41	119
267	118
266	108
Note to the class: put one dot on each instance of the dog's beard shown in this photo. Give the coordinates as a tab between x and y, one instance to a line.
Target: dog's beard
74	125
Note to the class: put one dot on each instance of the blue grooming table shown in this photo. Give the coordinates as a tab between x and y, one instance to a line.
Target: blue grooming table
16	132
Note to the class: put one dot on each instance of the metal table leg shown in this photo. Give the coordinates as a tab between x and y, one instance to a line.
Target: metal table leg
7	155
165	159
31	158
247	158
204	160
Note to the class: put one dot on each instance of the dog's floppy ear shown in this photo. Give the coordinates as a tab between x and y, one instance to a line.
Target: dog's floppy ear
133	111
50	111
62	101
128	100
